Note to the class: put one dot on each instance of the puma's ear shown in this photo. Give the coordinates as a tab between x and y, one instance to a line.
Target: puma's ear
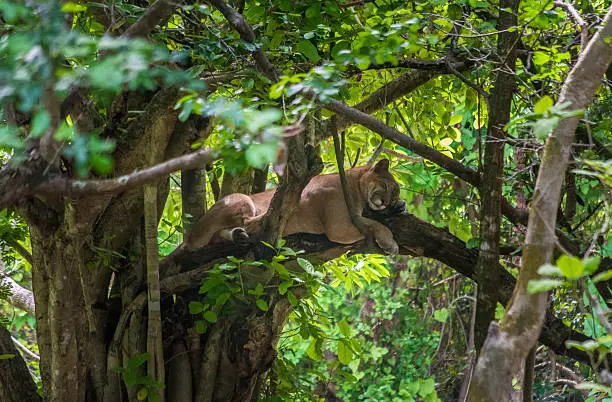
381	166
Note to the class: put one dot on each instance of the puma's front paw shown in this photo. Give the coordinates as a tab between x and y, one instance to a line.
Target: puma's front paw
388	246
240	237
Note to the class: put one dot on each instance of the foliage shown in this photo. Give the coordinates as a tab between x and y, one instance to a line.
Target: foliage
148	388
379	348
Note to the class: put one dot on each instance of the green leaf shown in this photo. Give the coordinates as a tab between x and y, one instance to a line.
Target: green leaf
309	268
542	285
427	387
196	307
540	58
549	270
314	350
258	119
586	346
40	123
277	39
455	119
101	164
7	356
258	155
543	105
201	326
71	7
571	267
284	286
345	353
544	126
591	265
308	50
345	328
292	299
441	315
280	269
222	299
603	276
210	316
314	12
142	393
262	304
258	291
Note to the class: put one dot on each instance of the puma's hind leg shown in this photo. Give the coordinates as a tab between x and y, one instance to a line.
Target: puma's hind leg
227	217
347	234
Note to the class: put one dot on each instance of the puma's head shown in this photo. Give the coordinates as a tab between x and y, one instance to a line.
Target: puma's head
379	187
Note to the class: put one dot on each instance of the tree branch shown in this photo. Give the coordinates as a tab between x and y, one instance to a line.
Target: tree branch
15	245
63	186
515	215
493	171
414	237
439	65
159	12
240	24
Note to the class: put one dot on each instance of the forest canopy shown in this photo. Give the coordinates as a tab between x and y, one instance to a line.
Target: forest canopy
124	122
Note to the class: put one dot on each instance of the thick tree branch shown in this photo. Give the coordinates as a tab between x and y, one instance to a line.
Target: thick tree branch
158	13
414	237
62	186
21	297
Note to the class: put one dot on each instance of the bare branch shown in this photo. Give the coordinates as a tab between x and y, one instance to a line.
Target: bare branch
364	119
21	297
63	186
439	65
26	351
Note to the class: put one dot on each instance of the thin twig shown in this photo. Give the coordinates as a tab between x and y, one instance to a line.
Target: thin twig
25	350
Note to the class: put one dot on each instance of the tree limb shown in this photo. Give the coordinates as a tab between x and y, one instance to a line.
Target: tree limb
240	24
159	12
515	215
22	251
414	237
63	186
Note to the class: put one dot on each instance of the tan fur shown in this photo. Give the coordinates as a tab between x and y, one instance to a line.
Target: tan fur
322	210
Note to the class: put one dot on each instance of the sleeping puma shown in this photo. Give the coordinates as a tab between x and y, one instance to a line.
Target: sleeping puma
322	209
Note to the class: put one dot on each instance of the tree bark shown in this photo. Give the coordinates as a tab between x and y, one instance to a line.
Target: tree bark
16	384
493	170
507	346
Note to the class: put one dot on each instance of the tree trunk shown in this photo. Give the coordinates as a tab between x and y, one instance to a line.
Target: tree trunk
507	346
493	171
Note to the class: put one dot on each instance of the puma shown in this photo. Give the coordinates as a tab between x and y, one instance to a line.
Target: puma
322	210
